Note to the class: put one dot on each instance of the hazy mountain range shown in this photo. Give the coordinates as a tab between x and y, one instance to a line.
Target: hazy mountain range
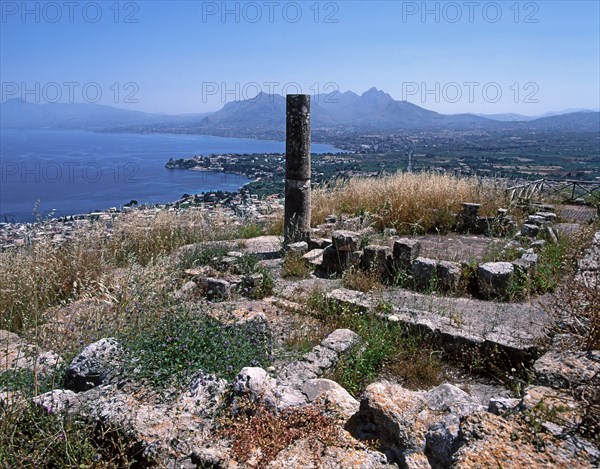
372	110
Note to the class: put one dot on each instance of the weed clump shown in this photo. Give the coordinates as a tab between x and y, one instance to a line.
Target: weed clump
260	434
171	351
43	275
30	437
388	348
295	266
361	280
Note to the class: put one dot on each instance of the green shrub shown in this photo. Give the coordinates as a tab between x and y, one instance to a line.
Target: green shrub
203	255
387	348
183	342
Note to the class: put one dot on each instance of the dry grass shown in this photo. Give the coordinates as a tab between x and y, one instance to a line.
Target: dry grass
44	275
410	203
295	266
574	310
274	225
146	236
421	369
361	280
258	434
120	300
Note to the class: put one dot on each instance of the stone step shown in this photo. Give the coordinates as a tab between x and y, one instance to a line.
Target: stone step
458	323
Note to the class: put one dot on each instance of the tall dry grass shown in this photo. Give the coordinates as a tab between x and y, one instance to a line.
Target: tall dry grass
43	275
37	277
408	202
146	236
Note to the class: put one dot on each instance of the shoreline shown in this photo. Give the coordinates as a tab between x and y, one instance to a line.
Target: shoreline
240	204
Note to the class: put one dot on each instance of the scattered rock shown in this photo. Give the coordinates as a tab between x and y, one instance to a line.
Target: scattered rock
15	353
48	362
376	258
538	245
417	429
187	290
257	384
303	454
216	288
502	405
494	278
548	216
536	220
487	440
251	282
318	243
405	251
568	369
300	247
322	357
530	230
352	298
319	359
448	274
96	364
58	401
531	260
345	241
566	230
341	340
449	398
550	234
468	216
313	388
314	257
523	267
423	272
335	261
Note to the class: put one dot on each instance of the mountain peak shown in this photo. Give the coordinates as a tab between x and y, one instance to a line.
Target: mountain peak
373	90
375	93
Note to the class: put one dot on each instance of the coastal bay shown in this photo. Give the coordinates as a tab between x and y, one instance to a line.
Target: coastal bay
73	172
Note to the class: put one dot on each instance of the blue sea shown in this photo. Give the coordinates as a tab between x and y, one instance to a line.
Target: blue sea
72	172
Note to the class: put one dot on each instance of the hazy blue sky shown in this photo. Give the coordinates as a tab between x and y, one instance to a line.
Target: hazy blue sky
184	57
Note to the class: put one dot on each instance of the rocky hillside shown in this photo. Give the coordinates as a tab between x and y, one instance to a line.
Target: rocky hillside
363	349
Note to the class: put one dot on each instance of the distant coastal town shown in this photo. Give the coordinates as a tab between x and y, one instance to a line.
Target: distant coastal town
235	205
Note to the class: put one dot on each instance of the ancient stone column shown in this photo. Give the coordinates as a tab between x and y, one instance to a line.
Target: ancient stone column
297	169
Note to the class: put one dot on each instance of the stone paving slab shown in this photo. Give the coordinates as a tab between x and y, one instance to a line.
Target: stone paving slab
457	247
577	213
264	247
517	328
514	326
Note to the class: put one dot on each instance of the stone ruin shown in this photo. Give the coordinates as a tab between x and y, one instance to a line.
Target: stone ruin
400	255
392	256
